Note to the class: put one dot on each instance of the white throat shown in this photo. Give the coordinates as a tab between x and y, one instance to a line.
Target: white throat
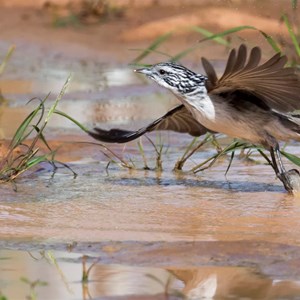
200	104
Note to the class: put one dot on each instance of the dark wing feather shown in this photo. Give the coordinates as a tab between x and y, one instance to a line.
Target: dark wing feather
278	87
240	59
210	72
178	119
254	58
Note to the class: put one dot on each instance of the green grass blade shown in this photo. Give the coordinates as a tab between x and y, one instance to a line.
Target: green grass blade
58	98
20	133
260	151
35	161
61	113
6	59
226	32
142	151
230	162
292	34
291	157
208	34
211	160
42	108
189	147
269	39
152	47
42	137
183	53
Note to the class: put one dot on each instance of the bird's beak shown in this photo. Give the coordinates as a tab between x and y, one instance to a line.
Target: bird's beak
146	71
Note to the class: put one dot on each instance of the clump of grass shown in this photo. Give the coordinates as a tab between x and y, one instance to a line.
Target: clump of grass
190	150
231	148
21	156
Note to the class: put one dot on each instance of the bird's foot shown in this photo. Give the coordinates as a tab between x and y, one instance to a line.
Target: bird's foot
290	180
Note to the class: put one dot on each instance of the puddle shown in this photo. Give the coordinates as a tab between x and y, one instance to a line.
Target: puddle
150	231
203	236
138	205
60	277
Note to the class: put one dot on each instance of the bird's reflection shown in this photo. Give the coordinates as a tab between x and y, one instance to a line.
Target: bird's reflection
190	283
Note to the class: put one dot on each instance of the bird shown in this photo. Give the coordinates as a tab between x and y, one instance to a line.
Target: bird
253	101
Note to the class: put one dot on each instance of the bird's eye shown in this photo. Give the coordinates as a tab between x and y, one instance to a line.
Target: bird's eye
162	72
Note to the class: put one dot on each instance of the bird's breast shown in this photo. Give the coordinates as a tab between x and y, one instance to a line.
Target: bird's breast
217	115
203	108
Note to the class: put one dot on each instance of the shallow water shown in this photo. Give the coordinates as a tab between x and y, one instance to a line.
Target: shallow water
150	232
150	206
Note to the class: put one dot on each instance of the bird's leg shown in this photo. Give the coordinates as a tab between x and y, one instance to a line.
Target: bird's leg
274	162
282	175
279	168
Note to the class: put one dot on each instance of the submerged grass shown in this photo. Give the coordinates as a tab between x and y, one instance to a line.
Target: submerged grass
33	285
190	150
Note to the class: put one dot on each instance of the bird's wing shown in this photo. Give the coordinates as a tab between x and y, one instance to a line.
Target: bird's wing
277	86
178	119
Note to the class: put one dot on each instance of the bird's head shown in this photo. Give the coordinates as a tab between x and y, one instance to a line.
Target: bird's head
174	77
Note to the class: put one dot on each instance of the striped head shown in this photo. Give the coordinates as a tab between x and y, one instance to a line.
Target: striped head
176	78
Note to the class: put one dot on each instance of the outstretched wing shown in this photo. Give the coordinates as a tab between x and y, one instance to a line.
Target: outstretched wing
277	86
178	119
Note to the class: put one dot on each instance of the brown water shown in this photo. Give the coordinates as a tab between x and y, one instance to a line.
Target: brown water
149	233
